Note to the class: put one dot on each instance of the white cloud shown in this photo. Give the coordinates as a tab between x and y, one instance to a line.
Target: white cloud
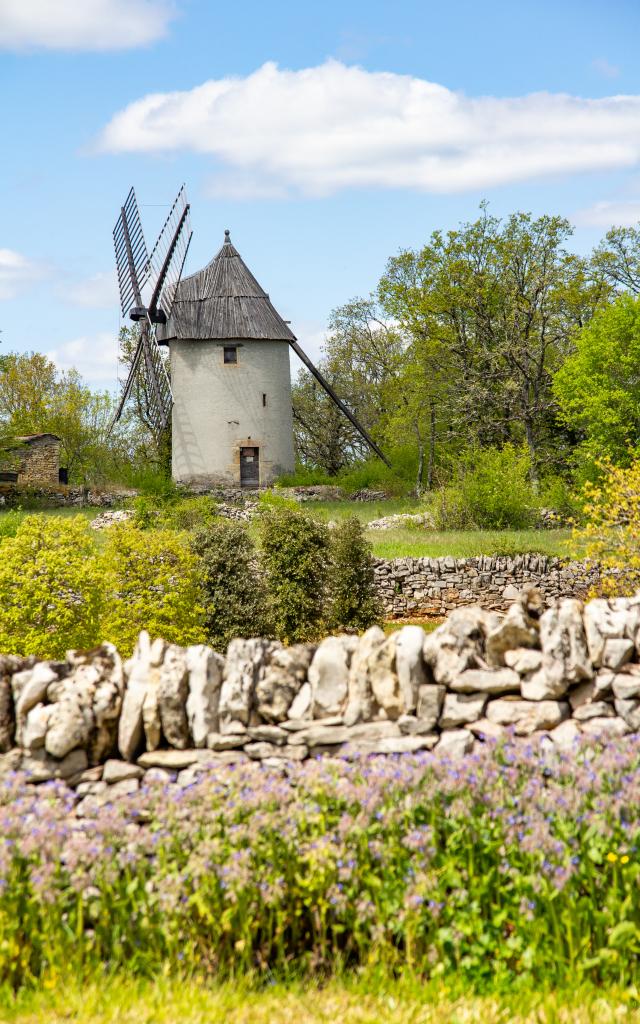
330	127
82	24
605	68
16	271
100	291
93	356
620	213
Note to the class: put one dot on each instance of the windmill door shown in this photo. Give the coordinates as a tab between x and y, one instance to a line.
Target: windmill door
249	467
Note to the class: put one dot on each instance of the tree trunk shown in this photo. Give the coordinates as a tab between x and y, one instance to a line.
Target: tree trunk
432	446
531	445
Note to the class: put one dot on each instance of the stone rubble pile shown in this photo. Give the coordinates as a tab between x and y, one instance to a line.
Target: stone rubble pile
97	722
239	513
402	520
106	519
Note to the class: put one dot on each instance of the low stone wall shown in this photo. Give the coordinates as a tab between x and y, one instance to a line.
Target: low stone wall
567	673
37	496
435	586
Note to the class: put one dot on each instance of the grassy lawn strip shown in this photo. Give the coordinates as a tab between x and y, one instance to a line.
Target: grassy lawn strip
467	543
362	1002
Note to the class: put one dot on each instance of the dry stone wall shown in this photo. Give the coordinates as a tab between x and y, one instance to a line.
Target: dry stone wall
566	674
435	586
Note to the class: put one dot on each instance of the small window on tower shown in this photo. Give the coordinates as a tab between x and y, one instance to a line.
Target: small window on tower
264	399
230	354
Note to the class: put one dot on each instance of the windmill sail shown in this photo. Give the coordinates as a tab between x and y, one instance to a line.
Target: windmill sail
162	271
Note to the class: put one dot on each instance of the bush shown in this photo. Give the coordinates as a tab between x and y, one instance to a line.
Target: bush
494	492
50	587
611	531
152	581
295	557
354	602
235	596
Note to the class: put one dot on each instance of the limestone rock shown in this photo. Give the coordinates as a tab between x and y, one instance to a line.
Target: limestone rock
169	759
301	703
329	675
35	726
430	701
7	710
604	620
137	670
629	711
461	708
409	725
384	680
283	677
226	741
173	690
117	771
244	666
566	735
491	681
361	703
410	667
594	709
455	743
626	687
603	728
204	668
459	643
30	686
486	729
41	767
617	652
523	660
516	629
269	734
391	745
565	657
527	716
321	735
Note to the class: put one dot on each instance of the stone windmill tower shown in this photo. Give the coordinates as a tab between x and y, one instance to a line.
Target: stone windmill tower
228	389
230	377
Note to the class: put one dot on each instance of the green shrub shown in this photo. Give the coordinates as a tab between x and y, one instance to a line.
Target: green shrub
305	476
10	521
295	558
50	587
190	513
354	602
373	475
235	597
494	492
271	499
152	581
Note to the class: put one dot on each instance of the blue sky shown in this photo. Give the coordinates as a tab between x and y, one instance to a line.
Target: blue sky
326	137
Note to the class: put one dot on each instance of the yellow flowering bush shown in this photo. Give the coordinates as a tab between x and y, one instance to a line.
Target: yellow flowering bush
610	534
152	581
50	587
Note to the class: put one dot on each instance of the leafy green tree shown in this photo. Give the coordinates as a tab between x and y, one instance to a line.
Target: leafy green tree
495	306
51	587
354	601
294	554
152	581
617	258
598	387
234	594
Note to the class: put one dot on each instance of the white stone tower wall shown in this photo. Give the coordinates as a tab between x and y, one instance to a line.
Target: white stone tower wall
218	408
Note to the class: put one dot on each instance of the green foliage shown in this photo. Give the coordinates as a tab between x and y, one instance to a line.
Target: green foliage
305	476
273	500
152	581
234	593
295	558
50	587
354	602
10	521
494	492
598	388
610	531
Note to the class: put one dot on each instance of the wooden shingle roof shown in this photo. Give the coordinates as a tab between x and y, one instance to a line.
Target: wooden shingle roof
223	300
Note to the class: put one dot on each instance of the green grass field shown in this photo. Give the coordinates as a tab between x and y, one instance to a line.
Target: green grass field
363	1002
415	542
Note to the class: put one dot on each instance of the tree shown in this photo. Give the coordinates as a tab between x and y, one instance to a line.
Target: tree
154	444
598	387
354	601
495	306
35	397
618	258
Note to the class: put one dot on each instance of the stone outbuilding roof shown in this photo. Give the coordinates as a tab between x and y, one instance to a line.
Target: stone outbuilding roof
223	301
30	438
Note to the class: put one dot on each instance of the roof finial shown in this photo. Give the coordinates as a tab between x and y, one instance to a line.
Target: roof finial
227	237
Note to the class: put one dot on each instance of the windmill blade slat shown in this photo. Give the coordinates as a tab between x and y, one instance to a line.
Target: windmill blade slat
132	259
169	254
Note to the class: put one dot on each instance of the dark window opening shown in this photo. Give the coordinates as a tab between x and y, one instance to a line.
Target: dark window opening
230	354
264	399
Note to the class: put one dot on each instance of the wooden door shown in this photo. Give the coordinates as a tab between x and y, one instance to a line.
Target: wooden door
250	467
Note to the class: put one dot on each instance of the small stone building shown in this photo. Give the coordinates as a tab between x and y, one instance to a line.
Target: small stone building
33	459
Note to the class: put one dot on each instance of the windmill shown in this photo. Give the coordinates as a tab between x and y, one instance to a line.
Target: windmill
229	398
158	275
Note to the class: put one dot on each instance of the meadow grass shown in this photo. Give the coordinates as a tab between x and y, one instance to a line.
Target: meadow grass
364	1000
468	543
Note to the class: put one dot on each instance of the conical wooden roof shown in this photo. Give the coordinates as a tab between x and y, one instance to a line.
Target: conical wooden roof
223	300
